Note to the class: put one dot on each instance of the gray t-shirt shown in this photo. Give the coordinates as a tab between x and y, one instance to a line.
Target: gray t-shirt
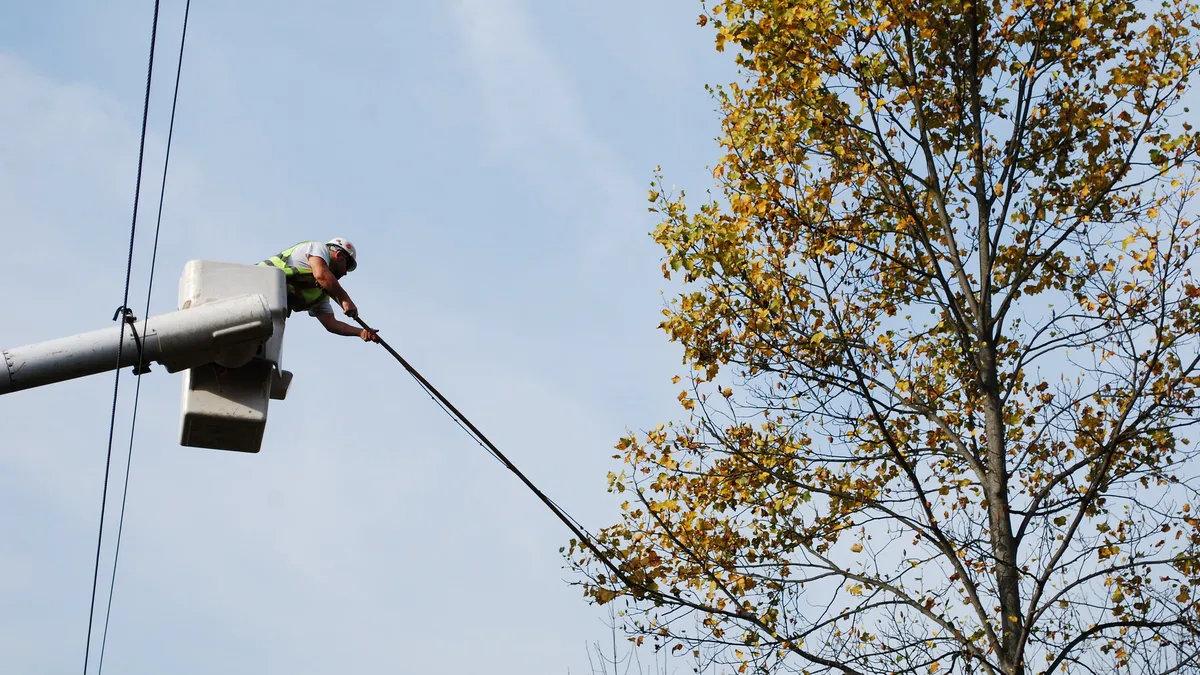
299	259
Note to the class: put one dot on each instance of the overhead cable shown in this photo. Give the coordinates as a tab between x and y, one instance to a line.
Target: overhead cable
112	423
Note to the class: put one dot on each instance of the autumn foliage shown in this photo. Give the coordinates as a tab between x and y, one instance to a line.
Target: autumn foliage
942	334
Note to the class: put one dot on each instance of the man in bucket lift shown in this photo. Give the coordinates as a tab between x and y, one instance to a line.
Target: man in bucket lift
312	270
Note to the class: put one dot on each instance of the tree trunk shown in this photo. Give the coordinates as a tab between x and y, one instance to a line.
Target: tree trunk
1004	545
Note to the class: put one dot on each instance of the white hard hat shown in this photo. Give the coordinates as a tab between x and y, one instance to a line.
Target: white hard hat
346	246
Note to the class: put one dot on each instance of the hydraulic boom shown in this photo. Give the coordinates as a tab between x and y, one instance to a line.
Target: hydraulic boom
179	340
227	338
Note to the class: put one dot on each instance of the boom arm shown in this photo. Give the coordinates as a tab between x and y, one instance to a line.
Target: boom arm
226	331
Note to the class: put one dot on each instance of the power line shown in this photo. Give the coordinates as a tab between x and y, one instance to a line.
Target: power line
112	423
141	363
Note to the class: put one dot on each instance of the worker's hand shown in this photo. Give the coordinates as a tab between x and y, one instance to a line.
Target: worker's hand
350	309
369	335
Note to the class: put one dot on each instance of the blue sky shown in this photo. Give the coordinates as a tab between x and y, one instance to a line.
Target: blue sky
490	160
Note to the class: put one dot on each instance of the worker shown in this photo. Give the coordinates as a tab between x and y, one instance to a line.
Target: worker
312	270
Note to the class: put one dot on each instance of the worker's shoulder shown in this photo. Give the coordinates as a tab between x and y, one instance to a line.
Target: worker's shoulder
299	254
312	247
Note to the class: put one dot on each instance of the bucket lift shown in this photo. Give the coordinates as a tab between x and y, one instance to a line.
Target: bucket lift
227	338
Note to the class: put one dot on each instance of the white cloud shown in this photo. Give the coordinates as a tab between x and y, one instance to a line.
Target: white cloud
534	122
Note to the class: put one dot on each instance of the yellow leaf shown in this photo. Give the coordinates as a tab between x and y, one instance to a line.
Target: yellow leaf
935	667
1152	212
1127	241
857	548
817	337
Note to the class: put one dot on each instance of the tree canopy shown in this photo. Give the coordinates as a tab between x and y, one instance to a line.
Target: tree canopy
942	333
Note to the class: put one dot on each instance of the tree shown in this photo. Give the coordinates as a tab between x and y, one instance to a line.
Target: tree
611	660
942	336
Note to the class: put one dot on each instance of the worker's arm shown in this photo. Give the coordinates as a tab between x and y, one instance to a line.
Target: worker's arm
341	328
326	278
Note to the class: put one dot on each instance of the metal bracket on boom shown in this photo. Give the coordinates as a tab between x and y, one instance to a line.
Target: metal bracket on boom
142	366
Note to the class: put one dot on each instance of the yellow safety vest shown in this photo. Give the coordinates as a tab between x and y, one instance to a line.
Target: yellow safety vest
303	291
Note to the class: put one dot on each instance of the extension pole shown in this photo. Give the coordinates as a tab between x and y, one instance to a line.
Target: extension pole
583	538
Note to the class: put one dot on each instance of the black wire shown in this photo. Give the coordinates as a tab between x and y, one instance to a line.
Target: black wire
112	423
456	421
582	535
112	584
432	395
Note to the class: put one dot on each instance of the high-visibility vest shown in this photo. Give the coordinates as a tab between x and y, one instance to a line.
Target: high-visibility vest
303	291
